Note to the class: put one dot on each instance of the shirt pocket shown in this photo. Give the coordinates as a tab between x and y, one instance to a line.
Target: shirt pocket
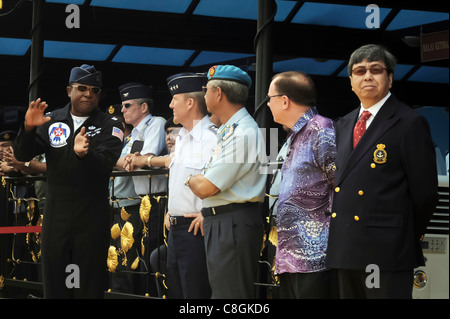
194	165
196	160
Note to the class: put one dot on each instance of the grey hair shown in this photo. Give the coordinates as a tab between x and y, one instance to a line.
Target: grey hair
149	102
199	97
372	52
236	93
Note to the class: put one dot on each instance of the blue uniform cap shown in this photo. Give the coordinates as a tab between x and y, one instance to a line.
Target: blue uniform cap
186	82
229	73
86	74
134	90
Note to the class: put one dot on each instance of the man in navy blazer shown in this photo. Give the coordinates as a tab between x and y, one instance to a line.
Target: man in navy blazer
385	185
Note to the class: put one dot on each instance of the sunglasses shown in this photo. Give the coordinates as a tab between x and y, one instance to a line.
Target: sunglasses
84	88
127	105
362	70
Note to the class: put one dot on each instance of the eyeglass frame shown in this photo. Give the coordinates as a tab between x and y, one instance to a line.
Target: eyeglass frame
268	97
128	105
369	69
205	89
90	88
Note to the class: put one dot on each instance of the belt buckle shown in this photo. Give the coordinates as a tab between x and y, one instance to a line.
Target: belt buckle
213	210
173	221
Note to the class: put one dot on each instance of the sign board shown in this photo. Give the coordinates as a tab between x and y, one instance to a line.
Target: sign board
434	46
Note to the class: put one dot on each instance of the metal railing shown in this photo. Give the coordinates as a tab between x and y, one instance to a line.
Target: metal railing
18	217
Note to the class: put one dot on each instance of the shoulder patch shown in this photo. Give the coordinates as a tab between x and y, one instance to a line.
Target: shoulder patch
117	132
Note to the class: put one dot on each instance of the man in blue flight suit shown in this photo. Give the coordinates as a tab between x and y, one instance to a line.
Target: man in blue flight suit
81	144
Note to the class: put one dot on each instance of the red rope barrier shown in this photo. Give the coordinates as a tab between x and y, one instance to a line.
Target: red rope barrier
20	229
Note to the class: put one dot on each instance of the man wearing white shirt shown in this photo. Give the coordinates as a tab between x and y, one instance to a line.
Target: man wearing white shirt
373	109
186	259
385	185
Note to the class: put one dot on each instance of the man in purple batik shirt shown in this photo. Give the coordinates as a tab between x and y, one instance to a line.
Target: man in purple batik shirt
306	193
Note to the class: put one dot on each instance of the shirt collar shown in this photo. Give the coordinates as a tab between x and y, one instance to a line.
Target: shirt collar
144	122
304	119
198	129
376	107
235	118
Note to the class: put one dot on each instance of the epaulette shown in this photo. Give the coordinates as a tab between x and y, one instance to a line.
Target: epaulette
213	128
160	117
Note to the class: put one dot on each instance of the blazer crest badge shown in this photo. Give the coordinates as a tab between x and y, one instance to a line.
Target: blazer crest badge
380	154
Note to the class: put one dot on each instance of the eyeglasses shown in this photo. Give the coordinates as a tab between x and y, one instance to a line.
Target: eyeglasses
204	88
127	105
362	70
84	88
268	97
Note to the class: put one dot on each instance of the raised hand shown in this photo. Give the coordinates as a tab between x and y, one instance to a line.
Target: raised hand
35	115
81	143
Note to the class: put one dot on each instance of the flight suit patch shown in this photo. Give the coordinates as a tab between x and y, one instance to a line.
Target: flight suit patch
58	133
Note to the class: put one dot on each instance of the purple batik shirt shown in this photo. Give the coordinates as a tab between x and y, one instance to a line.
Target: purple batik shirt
306	195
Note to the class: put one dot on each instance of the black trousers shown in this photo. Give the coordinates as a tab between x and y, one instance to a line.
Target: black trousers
315	285
75	240
233	243
187	275
353	284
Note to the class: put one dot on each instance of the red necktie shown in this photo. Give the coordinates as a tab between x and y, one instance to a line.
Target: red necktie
360	127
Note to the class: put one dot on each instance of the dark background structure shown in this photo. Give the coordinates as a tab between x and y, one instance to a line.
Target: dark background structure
284	39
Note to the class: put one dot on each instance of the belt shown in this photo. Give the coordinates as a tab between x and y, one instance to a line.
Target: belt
212	211
180	220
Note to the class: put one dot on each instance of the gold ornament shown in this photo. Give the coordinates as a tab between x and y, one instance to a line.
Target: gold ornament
145	208
142	246
273	236
126	237
30	210
144	213
135	263
124	215
112	260
115	231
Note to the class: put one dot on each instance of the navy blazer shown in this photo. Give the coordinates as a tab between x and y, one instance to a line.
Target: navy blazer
385	191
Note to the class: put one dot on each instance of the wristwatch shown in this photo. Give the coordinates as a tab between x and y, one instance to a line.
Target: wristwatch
188	179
